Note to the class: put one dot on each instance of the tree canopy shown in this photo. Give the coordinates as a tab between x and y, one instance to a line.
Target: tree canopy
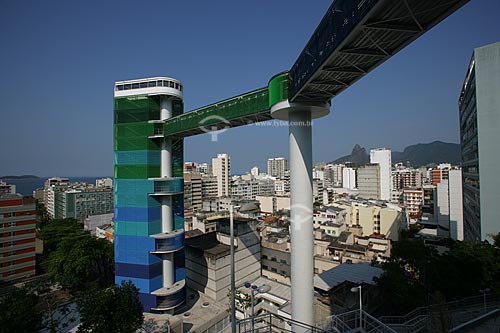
114	309
416	273
81	261
18	312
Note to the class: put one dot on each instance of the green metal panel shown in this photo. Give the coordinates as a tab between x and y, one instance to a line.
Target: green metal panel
137	171
135	143
137	102
278	88
243	105
127	130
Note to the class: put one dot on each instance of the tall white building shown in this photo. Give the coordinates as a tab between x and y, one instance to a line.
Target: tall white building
221	169
349	178
382	157
254	171
277	167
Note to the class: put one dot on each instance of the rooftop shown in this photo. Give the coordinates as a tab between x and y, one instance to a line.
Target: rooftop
356	273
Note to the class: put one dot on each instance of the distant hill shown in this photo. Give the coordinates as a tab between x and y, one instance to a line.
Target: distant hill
358	156
417	155
20	177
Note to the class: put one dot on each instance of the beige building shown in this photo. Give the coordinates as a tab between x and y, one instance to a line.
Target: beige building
374	218
221	169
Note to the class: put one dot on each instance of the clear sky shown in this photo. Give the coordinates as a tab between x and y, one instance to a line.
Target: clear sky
59	60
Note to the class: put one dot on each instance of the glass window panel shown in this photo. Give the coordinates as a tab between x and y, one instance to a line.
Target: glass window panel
152	84
143	84
159	83
119	87
176	86
165	83
127	86
171	84
135	85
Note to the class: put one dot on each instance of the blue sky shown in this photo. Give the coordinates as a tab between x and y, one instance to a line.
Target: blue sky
59	61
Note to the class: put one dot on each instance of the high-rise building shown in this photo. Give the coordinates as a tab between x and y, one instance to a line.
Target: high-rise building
382	157
277	167
221	169
479	106
369	181
254	171
149	215
349	178
81	203
17	237
208	187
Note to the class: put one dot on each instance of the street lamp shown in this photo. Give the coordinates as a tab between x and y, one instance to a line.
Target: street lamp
262	289
354	290
484	291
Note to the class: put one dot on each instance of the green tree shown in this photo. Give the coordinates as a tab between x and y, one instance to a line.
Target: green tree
18	312
114	309
55	231
81	261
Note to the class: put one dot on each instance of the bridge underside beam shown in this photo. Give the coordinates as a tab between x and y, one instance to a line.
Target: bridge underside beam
378	31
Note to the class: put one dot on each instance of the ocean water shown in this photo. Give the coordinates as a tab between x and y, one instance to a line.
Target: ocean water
27	186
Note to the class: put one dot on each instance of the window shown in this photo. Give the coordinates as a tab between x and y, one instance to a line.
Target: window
176	86
119	87
127	86
283	261
152	84
172	85
274	270
135	85
143	84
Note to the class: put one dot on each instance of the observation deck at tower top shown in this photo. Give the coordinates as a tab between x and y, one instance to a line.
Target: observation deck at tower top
352	39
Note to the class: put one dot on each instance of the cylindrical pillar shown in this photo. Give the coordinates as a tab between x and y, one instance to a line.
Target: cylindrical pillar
301	217
166	157
168	270
165	108
167	216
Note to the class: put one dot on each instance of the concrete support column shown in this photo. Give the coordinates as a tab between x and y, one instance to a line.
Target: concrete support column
167	215
168	270
301	209
166	157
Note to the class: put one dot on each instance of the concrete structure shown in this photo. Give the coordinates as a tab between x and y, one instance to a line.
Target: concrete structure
479	106
207	258
104	182
7	188
221	169
439	173
382	157
369	183
254	171
204	168
373	218
456	204
273	204
17	237
80	203
349	178
149	221
413	199
208	187
277	167
192	191
93	221
337	55
405	177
